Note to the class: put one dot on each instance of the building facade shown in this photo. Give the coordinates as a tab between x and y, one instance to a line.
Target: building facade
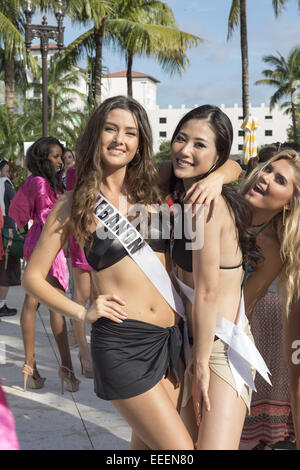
273	124
78	103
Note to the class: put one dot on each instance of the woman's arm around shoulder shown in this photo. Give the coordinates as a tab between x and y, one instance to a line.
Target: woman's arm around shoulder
208	190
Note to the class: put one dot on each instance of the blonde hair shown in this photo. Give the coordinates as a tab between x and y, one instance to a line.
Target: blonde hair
288	232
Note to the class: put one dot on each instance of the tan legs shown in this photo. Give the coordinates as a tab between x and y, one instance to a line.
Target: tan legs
58	326
27	319
82	294
188	417
154	419
221	427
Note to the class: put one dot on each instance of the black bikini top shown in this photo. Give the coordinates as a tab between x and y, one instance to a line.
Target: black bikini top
184	257
107	250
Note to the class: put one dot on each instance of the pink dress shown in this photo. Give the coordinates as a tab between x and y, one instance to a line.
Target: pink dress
8	435
78	259
34	201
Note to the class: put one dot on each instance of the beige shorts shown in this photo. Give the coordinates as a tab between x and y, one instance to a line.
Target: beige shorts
219	364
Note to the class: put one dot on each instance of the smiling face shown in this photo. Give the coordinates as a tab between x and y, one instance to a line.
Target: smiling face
193	149
55	157
274	187
119	139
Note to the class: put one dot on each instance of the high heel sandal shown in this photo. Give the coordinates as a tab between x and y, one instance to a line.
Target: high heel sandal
67	375
86	370
34	382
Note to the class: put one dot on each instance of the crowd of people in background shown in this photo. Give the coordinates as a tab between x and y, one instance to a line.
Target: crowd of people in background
177	338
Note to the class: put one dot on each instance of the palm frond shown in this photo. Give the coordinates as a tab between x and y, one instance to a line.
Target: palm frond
233	19
278	6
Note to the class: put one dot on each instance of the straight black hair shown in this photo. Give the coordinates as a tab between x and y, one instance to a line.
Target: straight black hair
241	209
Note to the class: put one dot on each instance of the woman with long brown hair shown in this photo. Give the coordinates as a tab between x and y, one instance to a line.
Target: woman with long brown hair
136	338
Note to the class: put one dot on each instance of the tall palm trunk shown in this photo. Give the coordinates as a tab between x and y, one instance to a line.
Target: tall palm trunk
244	50
129	75
52	110
99	33
294	118
9	84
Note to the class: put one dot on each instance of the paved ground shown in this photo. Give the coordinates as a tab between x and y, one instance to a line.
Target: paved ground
46	419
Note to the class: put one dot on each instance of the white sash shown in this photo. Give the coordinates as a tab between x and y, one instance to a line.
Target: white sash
144	257
242	352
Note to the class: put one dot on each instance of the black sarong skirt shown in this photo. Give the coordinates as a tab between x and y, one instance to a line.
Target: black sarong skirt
129	358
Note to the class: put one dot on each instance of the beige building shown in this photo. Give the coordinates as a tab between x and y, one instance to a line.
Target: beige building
273	124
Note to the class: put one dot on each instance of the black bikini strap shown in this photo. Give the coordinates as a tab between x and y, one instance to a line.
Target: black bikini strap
231	267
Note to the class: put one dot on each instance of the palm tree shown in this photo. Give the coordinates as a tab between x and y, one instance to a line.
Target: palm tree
154	32
64	126
278	6
285	75
62	120
63	80
11	134
11	21
238	16
111	18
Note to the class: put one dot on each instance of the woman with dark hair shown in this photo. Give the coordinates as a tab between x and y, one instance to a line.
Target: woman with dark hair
10	266
135	342
34	201
219	377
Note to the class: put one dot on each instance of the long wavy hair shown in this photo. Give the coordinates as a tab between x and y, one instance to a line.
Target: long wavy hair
141	178
288	232
38	163
239	208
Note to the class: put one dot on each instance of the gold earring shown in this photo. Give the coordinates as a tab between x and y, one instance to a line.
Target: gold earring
283	216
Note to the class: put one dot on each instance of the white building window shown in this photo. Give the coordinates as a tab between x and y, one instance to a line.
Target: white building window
162	120
162	134
268	132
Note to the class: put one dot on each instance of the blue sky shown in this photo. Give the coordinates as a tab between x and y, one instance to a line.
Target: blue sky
214	74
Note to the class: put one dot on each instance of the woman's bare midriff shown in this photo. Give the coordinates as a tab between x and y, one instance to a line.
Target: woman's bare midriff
143	301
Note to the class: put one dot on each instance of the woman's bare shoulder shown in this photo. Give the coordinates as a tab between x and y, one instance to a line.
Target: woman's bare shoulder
222	212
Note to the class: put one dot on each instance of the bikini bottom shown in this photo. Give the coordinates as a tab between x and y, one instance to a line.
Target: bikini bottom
219	364
129	358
